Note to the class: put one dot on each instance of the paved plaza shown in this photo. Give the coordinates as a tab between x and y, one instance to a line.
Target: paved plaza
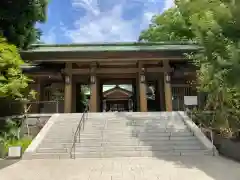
165	168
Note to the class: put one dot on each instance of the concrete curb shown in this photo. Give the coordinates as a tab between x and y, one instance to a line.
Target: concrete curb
38	139
198	133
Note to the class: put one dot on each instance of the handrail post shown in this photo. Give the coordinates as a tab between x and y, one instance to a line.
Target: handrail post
79	130
74	151
57	106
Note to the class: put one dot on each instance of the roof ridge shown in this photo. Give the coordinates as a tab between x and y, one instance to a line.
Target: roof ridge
116	44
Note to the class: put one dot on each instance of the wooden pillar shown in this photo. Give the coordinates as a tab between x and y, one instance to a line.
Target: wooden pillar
94	97
68	89
135	97
137	89
41	96
74	96
142	90
36	106
161	93
167	87
99	95
94	89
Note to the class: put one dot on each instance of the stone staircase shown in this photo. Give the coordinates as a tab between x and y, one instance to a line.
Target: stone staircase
119	134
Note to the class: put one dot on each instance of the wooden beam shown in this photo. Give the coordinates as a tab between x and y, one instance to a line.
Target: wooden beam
159	69
74	60
117	76
115	81
117	70
180	85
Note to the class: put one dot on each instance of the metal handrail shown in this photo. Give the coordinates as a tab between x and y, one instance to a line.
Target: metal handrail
77	133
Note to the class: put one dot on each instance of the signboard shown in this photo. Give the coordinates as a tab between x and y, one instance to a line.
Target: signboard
190	100
14	151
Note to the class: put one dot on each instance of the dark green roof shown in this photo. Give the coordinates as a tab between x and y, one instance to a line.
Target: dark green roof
102	47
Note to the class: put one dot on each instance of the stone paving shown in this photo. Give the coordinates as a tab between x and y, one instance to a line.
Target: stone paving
165	168
4	163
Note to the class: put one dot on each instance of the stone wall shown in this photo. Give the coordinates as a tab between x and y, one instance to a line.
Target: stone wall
34	124
228	147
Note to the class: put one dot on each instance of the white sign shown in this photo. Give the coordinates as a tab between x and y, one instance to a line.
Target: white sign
190	100
14	151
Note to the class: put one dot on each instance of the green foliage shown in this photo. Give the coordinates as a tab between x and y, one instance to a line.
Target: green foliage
10	136
17	28
18	20
13	83
169	26
214	25
23	142
81	98
10	128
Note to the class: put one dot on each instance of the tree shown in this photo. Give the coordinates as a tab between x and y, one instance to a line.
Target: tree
17	31
169	26
13	82
17	27
18	19
214	25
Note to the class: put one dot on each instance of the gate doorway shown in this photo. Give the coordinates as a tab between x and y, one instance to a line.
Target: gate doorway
81	98
117	98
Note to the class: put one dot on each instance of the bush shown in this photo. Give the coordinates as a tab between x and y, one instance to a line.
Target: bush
24	143
2	149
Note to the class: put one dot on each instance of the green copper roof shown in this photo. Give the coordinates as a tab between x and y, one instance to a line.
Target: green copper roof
115	47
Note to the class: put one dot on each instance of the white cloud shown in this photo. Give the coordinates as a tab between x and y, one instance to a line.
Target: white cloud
91	6
148	16
49	37
168	4
111	26
107	27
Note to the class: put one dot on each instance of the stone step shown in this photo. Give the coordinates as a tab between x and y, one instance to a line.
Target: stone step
149	139
145	134
175	153
118	154
126	143
143	123
46	156
120	135
52	150
124	146
129	130
152	143
123	134
109	148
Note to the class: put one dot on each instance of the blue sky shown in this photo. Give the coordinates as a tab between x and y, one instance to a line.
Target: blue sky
89	21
